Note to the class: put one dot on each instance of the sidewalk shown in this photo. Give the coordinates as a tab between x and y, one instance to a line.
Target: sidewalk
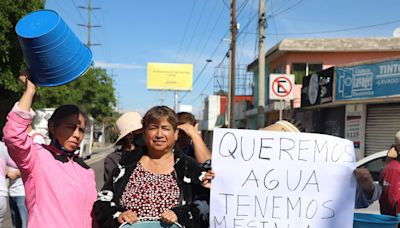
100	153
102	148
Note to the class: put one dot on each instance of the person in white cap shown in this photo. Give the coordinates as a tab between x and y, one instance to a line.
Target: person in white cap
130	129
285	125
389	201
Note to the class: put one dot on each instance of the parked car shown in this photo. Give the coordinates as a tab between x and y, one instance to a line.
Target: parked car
375	164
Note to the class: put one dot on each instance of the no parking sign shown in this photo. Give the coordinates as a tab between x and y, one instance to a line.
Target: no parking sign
281	86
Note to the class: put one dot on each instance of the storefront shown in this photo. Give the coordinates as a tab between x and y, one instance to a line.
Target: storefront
365	108
317	112
371	92
383	121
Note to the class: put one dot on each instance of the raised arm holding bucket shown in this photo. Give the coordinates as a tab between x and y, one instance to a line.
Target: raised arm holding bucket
54	55
60	188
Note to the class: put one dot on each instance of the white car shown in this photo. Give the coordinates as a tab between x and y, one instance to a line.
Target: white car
375	164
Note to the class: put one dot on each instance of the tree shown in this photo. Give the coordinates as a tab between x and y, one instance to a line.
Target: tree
11	59
93	92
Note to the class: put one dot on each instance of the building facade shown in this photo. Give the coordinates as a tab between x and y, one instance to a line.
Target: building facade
332	77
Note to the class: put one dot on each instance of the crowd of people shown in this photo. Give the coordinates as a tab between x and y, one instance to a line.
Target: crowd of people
160	169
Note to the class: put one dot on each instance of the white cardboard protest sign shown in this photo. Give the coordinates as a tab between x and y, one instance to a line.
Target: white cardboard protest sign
281	179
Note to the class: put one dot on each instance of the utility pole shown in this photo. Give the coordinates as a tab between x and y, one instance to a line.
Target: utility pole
161	97
261	65
116	84
89	26
231	123
176	102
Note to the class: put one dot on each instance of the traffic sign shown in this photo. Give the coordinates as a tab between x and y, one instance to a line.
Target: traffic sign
281	86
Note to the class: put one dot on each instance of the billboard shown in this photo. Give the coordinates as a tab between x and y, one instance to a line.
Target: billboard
317	88
169	76
366	81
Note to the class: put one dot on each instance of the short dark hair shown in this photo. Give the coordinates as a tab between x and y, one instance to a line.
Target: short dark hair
156	113
63	112
186	117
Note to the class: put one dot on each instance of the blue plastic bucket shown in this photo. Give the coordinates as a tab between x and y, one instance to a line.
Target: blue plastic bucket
363	220
55	56
149	224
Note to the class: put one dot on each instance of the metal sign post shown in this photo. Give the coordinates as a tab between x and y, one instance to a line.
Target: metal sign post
282	89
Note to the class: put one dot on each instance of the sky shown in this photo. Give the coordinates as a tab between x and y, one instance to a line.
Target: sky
132	33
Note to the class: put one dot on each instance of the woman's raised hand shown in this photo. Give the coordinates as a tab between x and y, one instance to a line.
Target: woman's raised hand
25	102
24	78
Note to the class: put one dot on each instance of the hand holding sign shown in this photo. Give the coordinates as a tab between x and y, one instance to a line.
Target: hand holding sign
281	179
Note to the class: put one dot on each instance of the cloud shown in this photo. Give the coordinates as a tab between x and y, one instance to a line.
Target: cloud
117	65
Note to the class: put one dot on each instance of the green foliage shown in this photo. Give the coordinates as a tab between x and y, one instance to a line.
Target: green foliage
11	59
111	127
93	92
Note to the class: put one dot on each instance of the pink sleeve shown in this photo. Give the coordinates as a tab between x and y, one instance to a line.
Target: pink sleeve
18	142
11	163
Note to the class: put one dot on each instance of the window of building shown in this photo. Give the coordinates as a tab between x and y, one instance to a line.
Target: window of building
300	70
279	70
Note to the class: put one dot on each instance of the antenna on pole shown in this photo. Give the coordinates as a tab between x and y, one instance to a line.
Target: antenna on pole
89	26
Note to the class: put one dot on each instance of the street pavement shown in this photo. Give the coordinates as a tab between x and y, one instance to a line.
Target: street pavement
95	162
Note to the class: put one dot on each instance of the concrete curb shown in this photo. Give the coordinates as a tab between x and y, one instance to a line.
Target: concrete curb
97	154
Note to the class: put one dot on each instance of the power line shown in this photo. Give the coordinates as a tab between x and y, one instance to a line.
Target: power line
333	31
205	87
209	36
195	28
210	58
289	8
106	54
243	40
184	33
343	30
241	8
226	4
76	6
198	76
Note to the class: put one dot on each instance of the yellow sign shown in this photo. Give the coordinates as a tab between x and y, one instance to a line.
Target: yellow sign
168	76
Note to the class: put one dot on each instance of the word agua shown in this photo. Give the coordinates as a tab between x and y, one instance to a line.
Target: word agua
282	148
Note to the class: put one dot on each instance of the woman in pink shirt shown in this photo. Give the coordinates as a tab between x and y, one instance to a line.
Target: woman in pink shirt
60	188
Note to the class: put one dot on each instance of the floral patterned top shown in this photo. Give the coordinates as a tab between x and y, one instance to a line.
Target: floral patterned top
150	194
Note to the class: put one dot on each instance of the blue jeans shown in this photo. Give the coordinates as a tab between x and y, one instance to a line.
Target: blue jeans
19	212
